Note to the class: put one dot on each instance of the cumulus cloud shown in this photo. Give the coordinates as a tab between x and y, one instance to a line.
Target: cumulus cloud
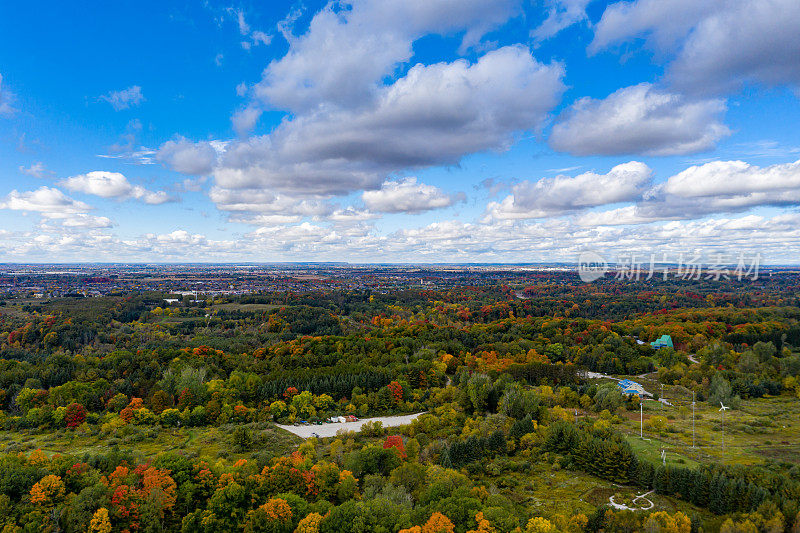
717	44
664	24
245	120
6	98
345	53
715	187
249	201
48	201
407	196
750	40
564	194
640	120
130	97
776	238
433	115
187	157
734	178
113	185
85	221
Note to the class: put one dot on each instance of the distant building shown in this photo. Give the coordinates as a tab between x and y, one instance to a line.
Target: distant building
662	342
631	387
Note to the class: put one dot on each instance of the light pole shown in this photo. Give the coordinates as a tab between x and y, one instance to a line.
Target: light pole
723	409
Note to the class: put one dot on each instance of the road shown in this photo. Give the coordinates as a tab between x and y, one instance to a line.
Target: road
330	430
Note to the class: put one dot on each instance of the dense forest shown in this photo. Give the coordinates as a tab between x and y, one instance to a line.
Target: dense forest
516	383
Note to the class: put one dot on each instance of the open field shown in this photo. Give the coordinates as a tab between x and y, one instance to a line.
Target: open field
244	307
209	443
546	490
760	429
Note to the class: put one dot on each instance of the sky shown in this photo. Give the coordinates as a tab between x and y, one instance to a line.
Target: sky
426	131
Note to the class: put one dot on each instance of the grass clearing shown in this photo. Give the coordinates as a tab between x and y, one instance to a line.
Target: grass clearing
209	443
233	306
759	429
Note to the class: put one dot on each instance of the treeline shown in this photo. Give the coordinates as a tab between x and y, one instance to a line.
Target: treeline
721	490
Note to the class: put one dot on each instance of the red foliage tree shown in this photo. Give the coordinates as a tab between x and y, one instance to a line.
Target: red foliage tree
397	391
396	442
75	415
290	393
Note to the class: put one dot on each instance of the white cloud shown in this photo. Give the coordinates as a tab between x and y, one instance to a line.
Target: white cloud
748	41
406	196
85	221
113	185
119	100
717	44
6	98
734	178
37	170
664	23
259	37
244	27
188	157
777	238
434	115
640	120
49	201
564	194
248	201
256	37
245	120
560	15
345	53
715	187
351	215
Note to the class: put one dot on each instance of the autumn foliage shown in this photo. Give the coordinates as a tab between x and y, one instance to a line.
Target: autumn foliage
396	442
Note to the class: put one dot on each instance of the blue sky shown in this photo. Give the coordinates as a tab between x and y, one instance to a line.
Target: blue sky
435	130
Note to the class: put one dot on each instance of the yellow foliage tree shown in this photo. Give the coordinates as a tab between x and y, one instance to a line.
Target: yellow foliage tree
100	523
309	524
538	524
663	522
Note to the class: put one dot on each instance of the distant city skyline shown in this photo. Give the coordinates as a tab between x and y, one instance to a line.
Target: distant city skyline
399	131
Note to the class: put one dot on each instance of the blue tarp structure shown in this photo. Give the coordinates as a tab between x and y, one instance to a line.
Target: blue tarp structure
630	387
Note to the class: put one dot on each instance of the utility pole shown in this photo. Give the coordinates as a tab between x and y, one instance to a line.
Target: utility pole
641	419
723	409
576	416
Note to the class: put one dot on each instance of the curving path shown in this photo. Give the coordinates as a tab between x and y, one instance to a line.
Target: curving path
639	507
